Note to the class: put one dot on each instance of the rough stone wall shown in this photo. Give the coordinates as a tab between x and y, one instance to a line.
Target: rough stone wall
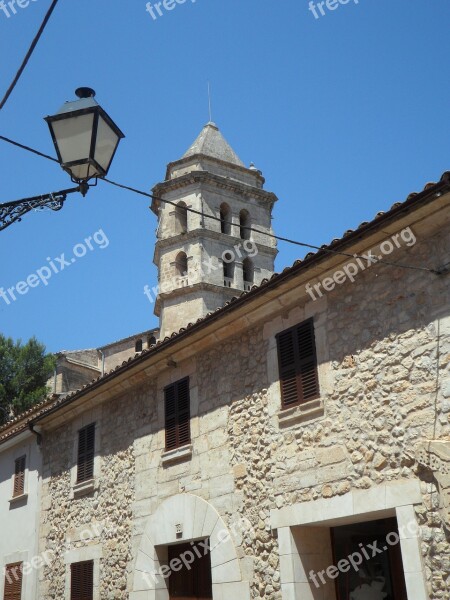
103	517
388	342
388	336
248	430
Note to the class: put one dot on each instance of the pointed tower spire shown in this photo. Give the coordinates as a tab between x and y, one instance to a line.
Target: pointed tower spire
211	143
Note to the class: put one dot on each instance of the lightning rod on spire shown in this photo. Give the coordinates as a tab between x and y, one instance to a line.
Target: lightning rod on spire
209	102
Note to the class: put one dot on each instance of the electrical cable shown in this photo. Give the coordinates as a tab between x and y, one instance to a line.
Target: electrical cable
375	260
251	229
28	54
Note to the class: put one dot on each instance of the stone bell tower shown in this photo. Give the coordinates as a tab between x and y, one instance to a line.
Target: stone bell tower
203	262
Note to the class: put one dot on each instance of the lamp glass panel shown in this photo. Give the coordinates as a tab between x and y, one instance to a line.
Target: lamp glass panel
106	144
84	171
73	136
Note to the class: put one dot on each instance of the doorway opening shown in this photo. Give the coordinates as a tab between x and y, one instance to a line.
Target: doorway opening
377	569
192	577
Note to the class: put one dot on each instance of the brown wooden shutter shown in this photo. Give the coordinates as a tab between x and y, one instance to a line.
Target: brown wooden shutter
184	412
171	417
177	414
86	453
82	580
288	368
306	344
298	364
19	477
13	582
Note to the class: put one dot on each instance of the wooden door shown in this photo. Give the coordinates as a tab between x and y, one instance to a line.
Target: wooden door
192	581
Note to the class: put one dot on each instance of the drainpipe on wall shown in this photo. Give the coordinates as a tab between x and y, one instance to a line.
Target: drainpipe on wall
36	433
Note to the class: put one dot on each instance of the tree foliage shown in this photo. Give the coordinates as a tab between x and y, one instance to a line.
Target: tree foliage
24	372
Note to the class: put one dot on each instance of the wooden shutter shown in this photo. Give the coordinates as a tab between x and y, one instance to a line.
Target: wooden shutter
82	580
177	414
306	344
288	368
19	477
298	364
13	582
86	452
184	412
171	417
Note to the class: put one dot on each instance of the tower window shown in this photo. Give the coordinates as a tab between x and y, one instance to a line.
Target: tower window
248	272
138	346
181	218
228	268
151	341
181	264
244	224
225	219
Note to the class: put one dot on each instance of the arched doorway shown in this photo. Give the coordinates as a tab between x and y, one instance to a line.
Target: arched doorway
187	524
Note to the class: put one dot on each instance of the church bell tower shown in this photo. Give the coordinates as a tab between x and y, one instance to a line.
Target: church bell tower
202	261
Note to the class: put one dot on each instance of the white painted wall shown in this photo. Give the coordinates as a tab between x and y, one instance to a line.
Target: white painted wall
19	520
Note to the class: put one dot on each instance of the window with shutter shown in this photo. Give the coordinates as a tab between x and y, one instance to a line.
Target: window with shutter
297	360
82	580
19	477
86	453
177	414
13	582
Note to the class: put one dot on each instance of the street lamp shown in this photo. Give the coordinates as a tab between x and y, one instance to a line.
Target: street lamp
85	139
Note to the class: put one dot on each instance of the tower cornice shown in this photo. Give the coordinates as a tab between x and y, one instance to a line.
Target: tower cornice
193	158
202	286
200	234
218	181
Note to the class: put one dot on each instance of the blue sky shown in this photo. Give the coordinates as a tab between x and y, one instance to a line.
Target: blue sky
345	115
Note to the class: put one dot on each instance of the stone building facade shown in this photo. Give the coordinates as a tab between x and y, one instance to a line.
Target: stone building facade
334	487
76	368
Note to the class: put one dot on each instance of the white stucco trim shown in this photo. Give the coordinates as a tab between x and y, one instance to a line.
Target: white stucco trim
357	505
396	498
198	520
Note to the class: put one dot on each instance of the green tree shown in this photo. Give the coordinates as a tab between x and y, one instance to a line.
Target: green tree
24	372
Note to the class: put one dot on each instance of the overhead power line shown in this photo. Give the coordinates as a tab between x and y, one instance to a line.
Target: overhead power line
252	229
270	235
28	149
29	53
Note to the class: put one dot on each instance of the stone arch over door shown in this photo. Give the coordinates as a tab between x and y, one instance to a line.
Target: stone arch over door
197	520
